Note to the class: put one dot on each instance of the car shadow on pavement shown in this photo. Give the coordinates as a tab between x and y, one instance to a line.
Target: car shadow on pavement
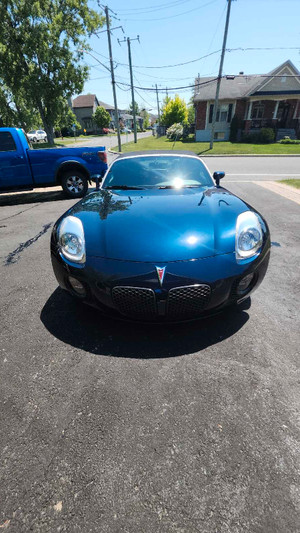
31	197
86	328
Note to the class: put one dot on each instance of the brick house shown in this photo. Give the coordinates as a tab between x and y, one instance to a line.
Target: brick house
258	102
84	106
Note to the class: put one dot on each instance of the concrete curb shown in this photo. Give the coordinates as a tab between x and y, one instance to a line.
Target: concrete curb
228	155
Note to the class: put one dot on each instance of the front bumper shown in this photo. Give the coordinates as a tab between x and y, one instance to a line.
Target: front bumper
190	289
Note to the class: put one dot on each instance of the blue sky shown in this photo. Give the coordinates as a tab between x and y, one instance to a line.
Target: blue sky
184	30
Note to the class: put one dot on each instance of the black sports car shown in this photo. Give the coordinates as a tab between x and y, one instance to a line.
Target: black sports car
160	241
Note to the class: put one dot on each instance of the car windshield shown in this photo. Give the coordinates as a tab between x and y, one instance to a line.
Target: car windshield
32	131
157	171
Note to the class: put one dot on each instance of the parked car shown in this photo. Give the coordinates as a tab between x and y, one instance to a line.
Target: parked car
23	168
160	241
37	135
126	130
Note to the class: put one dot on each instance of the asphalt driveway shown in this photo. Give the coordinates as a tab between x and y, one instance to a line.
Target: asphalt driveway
112	427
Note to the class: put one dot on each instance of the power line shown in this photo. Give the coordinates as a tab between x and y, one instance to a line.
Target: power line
172	16
146	102
171	88
212	80
145	10
207	55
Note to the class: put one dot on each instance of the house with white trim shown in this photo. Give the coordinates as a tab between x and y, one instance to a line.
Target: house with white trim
271	100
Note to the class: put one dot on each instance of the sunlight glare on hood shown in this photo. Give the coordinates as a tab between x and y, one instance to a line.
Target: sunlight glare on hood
192	239
177	183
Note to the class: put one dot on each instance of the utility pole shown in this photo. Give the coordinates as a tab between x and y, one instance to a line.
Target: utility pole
220	76
131	82
113	80
158	111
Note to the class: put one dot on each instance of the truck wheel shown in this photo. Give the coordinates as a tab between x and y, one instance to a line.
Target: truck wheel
74	184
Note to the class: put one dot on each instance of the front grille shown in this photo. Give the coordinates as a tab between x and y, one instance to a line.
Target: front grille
188	301
135	301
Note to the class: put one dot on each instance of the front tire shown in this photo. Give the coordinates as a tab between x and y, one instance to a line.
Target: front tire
74	184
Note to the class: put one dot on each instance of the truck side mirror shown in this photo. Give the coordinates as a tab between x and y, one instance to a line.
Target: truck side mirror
218	176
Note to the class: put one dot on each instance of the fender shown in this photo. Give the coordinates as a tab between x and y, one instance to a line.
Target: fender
64	164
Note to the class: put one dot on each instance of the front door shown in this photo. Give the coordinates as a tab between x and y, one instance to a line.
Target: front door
282	114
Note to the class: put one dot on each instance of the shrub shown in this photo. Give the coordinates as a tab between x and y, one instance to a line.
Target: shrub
175	132
185	131
234	126
289	141
264	136
267	135
252	138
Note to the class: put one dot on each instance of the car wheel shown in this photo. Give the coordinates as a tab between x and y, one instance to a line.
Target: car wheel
74	184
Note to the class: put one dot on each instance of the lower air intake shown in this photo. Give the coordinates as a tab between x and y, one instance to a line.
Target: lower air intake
188	301
134	301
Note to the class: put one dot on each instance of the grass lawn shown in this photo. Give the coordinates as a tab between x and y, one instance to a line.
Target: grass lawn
220	148
293	183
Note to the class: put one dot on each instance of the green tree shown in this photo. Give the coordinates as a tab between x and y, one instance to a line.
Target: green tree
146	118
14	112
66	118
175	111
191	114
101	117
41	46
136	107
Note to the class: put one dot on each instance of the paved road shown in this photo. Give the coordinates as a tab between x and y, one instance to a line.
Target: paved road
255	168
111	427
109	141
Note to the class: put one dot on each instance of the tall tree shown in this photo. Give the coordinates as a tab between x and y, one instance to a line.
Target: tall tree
175	111
41	43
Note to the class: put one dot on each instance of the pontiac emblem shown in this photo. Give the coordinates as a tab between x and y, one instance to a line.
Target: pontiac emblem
160	273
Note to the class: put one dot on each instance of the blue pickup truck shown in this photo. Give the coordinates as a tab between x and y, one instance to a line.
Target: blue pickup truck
22	168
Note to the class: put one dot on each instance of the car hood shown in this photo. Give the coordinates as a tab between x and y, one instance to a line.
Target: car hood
158	226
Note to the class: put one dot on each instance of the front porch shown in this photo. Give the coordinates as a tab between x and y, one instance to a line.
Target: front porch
273	113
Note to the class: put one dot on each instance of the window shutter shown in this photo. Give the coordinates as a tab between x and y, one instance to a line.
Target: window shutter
211	110
229	112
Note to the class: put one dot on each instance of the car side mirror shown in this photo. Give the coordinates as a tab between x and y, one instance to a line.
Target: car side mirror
218	176
97	178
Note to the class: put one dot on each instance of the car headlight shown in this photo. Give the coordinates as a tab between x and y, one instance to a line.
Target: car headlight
248	235
71	239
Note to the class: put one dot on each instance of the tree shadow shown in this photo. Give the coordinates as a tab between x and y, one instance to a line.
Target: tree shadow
86	328
203	151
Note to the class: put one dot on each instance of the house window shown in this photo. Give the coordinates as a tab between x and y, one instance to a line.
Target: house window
257	110
283	79
224	113
219	136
